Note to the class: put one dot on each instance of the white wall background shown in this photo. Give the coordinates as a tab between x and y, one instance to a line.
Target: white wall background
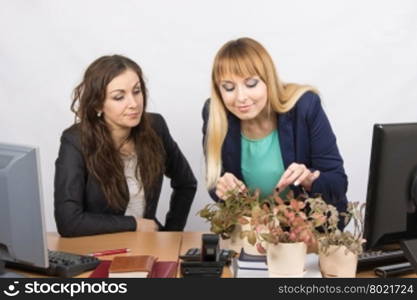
362	55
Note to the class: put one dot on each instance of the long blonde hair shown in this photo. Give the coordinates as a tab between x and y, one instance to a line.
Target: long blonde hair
243	57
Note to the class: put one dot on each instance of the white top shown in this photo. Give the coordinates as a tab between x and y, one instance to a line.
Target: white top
136	205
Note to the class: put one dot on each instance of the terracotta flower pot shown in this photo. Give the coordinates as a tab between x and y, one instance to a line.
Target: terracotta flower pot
247	247
286	259
338	263
235	242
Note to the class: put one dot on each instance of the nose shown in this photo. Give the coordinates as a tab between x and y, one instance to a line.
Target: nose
133	102
241	94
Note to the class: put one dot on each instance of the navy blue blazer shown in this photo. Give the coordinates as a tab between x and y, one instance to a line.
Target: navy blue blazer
306	137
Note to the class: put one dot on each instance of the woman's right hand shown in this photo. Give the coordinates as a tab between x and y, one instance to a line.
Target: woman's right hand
148	225
228	182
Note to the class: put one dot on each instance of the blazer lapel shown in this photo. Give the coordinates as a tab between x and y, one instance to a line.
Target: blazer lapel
286	138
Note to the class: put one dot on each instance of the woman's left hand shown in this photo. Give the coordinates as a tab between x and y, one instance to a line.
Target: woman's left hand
298	174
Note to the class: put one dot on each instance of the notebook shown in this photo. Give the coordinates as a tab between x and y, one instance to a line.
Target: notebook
137	266
256	268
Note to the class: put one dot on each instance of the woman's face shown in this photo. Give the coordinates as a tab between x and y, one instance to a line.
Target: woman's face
123	105
246	98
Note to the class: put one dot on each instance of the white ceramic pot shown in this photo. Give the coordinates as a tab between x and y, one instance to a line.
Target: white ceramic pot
338	263
235	242
286	259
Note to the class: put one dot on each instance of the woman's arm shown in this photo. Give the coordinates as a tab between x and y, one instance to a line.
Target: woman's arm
71	216
325	157
183	181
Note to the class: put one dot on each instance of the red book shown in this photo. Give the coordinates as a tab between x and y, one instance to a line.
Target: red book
164	269
102	270
161	269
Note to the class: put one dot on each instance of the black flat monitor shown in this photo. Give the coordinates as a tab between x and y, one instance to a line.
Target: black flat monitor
22	226
391	215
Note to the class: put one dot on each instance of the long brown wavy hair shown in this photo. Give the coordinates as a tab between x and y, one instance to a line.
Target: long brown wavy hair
102	158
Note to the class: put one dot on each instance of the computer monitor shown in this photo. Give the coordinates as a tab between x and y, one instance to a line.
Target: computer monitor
22	226
391	215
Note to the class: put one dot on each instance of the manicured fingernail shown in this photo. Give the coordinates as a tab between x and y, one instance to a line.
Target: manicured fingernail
296	183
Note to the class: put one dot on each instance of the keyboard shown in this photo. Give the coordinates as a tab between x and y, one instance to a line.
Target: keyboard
375	258
61	264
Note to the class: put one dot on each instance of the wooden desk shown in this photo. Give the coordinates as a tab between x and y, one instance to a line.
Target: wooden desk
164	245
167	246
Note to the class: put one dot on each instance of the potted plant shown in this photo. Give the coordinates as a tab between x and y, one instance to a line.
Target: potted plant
227	217
284	229
339	250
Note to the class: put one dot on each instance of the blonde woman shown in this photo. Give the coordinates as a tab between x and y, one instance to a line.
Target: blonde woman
262	133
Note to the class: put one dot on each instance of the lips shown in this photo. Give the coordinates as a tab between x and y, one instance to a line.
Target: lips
133	115
244	108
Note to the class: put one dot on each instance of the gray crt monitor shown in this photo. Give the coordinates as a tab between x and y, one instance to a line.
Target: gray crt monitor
22	234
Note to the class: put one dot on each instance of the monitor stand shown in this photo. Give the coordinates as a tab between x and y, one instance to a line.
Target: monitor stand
6	274
410	251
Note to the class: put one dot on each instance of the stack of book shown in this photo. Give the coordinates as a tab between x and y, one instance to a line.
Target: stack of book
249	266
255	266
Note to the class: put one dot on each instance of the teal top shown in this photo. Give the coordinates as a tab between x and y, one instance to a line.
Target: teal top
262	164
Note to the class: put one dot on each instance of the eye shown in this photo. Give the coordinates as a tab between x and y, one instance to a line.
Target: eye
118	97
228	87
252	82
137	91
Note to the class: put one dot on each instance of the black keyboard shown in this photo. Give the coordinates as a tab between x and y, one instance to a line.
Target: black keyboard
61	264
372	259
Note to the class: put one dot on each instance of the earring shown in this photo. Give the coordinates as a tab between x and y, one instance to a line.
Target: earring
99	114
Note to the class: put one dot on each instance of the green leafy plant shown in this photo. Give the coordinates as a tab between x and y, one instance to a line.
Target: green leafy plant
225	215
330	235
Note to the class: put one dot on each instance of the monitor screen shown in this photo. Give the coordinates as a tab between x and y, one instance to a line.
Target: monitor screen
22	234
390	204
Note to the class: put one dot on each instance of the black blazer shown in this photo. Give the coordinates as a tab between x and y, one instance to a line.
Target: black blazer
305	137
80	205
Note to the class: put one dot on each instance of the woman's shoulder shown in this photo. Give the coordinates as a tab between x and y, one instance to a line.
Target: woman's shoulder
72	135
307	100
158	123
307	105
206	108
156	119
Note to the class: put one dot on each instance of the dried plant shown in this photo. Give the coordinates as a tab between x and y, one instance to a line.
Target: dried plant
330	235
284	221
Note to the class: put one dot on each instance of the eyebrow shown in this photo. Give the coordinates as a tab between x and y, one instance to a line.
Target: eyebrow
122	90
232	82
227	81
